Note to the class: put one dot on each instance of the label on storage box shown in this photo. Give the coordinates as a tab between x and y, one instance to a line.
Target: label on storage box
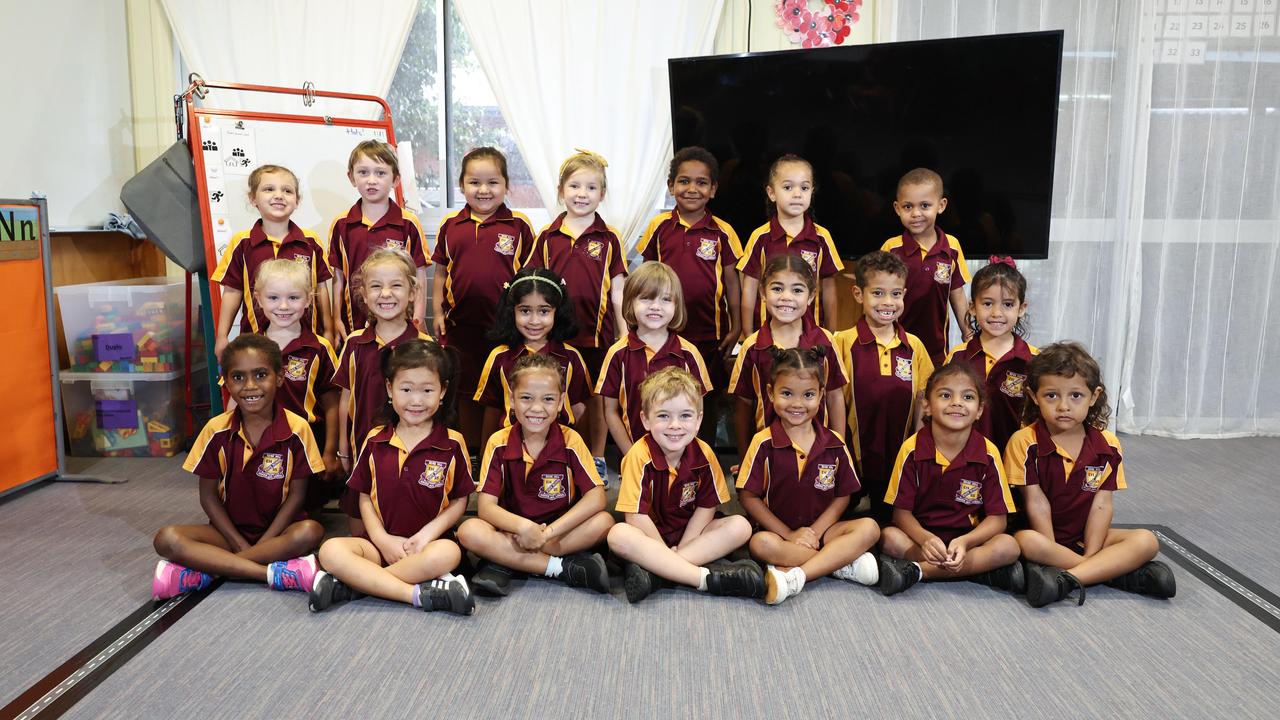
117	414
110	347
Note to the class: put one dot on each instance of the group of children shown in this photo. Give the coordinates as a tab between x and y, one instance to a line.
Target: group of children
545	338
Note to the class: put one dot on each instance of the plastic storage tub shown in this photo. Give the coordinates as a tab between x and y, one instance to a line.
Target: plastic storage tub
124	326
126	414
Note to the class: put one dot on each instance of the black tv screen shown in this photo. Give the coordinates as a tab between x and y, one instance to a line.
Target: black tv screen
981	111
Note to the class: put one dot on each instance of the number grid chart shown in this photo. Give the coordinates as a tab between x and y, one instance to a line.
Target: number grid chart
1185	29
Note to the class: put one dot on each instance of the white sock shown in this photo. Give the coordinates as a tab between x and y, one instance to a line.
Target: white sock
554	567
448	577
702	582
797	572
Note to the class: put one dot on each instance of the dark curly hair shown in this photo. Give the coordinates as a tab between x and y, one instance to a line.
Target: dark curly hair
693	153
1065	359
252	341
799	360
547	284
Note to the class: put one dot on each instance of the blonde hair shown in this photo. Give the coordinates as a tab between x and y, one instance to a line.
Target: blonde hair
255	178
377	151
385	256
582	160
649	281
299	274
668	383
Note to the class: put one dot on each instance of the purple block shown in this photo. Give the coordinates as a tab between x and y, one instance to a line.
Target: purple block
117	414
110	347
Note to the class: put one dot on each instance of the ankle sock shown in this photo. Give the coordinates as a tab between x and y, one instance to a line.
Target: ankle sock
555	565
702	582
417	596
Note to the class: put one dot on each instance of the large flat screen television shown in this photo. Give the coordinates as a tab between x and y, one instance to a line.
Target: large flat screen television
982	111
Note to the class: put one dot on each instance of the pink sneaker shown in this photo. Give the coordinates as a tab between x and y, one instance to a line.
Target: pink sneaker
172	579
295	574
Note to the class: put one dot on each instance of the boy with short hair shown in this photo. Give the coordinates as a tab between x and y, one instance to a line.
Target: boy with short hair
374	221
671	486
936	270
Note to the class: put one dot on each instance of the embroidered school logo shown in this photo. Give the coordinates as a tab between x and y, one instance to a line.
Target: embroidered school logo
393	244
1012	385
902	369
826	477
505	245
552	487
1093	477
811	257
272	467
942	272
707	249
433	474
688	492
302	260
970	493
594	247
295	368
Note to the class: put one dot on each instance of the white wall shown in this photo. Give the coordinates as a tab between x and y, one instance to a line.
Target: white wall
66	127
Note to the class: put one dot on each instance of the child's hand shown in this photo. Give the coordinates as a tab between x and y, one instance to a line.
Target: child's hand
531	537
955	554
804	537
392	549
219	345
339	332
935	552
332	465
726	346
415	544
437	325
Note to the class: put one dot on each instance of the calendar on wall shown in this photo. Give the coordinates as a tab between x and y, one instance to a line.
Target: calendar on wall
1186	29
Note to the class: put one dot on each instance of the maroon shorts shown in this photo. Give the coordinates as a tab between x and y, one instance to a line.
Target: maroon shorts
946	535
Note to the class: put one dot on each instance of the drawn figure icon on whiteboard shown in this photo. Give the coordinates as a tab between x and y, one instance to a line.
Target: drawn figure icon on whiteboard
242	155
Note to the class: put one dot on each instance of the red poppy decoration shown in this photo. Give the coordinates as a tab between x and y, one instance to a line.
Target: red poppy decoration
830	24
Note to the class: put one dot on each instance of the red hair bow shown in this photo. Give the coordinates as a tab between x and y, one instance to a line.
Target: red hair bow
1006	260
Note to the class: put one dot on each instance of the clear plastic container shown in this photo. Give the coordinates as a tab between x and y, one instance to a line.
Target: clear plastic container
125	414
124	326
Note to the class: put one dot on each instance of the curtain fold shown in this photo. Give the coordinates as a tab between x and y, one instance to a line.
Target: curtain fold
569	74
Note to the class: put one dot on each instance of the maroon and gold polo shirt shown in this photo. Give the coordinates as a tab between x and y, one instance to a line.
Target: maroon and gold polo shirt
949	497
309	364
478	257
931	276
1071	485
542	488
700	253
253	482
238	267
409	487
494	389
630	360
797	486
588	264
669	495
353	238
1006	377
750	378
360	371
813	243
884	382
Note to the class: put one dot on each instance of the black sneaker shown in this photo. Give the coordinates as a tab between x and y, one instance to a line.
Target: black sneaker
492	580
585	570
327	591
1049	584
1154	579
449	595
1010	577
740	578
897	575
639	583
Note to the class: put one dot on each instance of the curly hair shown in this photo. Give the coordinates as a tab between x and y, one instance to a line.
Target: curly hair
1065	359
526	282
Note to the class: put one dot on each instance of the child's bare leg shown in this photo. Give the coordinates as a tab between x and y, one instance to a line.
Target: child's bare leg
1123	551
630	543
720	537
997	552
299	539
590	533
488	542
744	422
841	545
772	548
356	562
437	558
202	547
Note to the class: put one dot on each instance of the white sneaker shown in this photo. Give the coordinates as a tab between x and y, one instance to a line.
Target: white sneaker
864	571
779	586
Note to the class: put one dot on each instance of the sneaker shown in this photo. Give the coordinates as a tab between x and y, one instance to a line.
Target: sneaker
449	595
296	574
1154	579
1049	584
1010	577
602	469
897	575
492	580
171	579
741	578
639	583
779	585
585	570
328	591
864	571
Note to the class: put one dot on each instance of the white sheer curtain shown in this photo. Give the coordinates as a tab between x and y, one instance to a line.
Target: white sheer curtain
590	75
338	45
1164	245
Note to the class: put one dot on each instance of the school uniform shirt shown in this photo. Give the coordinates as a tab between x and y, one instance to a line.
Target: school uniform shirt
353	238
360	371
1033	458
238	267
309	365
949	498
670	495
750	377
542	488
253	481
700	253
588	263
1006	379
630	360
795	485
813	243
410	487
494	389
478	257
931	276
884	381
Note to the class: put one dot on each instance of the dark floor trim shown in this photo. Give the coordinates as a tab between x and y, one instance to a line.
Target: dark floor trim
56	692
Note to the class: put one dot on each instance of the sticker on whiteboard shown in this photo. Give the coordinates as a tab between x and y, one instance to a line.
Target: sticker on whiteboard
217	190
239	151
221	235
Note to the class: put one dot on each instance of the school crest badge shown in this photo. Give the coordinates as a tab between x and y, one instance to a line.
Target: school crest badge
1012	385
707	249
552	487
902	369
433	474
826	479
970	493
302	260
1093	477
505	245
942	273
594	248
688	492
295	368
393	244
811	257
272	466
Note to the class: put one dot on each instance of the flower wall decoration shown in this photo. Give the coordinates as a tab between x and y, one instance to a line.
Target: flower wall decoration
828	24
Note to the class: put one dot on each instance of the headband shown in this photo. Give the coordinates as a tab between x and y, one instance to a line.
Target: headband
535	278
1006	260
